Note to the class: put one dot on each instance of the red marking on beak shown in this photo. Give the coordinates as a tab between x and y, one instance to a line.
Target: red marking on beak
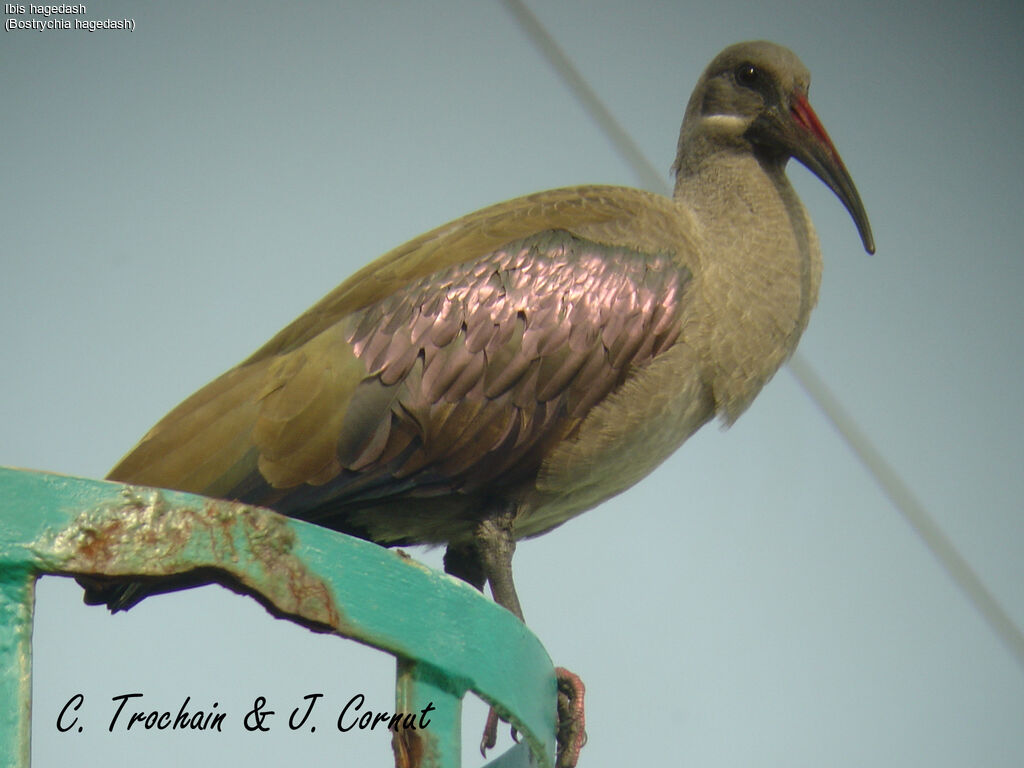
808	120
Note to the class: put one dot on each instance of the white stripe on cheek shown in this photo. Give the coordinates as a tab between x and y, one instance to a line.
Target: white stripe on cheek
732	123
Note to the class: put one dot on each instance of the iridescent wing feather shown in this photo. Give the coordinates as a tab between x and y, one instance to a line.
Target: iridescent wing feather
473	374
434	380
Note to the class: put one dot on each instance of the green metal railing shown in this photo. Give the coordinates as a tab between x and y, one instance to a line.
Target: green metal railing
447	638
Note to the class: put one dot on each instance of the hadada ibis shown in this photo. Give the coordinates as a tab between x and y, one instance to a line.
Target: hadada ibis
496	376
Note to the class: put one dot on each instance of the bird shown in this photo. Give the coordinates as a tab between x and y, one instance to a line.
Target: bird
493	378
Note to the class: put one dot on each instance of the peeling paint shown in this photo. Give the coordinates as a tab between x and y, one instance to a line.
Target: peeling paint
408	747
142	534
445	636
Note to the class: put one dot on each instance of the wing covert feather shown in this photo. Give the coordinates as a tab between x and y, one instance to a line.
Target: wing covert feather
453	364
605	214
492	364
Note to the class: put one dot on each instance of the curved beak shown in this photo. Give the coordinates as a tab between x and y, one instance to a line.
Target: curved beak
804	137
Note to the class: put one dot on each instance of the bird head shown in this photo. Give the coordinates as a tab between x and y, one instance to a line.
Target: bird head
753	98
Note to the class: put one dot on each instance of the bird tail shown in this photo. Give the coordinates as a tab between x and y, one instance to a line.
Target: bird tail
121	595
116	595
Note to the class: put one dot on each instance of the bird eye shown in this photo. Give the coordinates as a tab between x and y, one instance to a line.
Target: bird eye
747	74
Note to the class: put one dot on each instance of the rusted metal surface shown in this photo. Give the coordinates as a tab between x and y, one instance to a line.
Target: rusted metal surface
409	748
447	639
417	686
142	534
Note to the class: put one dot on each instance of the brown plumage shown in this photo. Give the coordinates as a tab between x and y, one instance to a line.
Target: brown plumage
498	375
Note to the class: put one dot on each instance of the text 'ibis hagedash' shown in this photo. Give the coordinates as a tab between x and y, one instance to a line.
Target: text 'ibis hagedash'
494	377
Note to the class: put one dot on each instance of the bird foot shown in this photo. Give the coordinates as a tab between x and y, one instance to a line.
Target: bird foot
490	737
572	734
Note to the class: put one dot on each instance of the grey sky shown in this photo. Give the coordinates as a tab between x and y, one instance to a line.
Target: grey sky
172	196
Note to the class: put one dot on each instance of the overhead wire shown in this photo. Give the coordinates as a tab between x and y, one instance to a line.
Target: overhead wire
878	467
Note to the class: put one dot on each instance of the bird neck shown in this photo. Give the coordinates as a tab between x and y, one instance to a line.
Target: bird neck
759	251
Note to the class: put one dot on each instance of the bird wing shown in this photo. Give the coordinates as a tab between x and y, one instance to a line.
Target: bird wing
450	366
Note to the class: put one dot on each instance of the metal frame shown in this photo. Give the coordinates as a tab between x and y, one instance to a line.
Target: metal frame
445	636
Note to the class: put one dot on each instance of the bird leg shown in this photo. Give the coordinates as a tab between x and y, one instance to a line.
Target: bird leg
488	559
463	562
496	543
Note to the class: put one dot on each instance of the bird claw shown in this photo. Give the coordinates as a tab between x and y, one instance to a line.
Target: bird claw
572	734
490	737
